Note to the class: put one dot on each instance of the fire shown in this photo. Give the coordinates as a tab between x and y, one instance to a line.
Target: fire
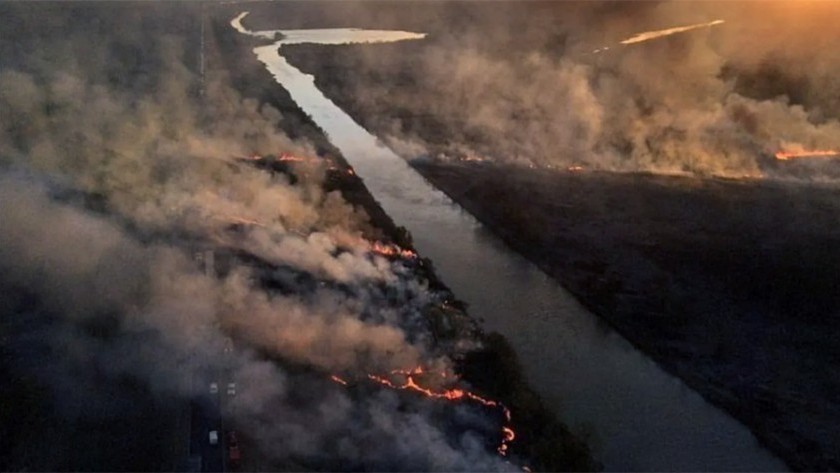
453	394
338	380
449	394
820	153
284	157
384	249
290	158
507	436
234	219
417	370
649	35
575	168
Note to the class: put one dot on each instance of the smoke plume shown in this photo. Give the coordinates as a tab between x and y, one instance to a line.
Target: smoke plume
720	99
108	189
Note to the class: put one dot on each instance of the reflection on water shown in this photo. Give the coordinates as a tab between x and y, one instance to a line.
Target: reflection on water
640	418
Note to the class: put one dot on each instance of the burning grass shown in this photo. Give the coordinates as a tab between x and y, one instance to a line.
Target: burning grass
414	376
820	153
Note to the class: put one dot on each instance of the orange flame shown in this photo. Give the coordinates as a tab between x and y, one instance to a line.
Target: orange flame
338	380
417	370
245	221
280	157
290	158
286	157
819	153
391	250
649	35
575	168
454	394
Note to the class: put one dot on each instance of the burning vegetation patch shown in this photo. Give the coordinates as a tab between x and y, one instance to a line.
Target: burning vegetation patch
819	154
452	395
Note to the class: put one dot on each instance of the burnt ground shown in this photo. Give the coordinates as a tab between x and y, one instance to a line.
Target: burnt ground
730	285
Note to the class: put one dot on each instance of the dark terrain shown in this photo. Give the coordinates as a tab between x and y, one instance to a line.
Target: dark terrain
731	285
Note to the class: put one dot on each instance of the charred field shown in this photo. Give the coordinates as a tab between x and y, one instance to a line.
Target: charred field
727	284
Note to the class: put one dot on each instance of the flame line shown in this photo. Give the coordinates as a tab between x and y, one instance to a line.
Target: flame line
649	35
384	249
284	157
454	394
819	153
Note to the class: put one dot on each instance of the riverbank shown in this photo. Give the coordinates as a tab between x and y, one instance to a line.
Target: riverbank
725	284
542	442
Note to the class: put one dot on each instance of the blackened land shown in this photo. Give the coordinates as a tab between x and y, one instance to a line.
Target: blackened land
731	285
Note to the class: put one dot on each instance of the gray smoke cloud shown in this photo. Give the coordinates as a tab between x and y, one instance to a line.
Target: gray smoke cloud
521	83
107	190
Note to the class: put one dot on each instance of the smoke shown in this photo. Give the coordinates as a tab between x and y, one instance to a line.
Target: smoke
713	100
109	187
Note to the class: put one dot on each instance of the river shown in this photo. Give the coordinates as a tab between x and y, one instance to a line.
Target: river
638	417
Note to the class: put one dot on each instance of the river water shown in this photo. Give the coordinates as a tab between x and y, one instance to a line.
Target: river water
638	417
